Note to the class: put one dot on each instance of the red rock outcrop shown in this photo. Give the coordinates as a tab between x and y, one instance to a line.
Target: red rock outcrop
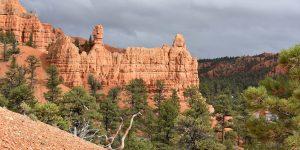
13	17
173	64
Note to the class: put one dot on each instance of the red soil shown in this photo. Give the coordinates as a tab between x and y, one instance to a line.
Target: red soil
20	132
26	51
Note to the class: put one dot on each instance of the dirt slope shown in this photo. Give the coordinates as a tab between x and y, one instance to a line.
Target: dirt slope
18	132
25	51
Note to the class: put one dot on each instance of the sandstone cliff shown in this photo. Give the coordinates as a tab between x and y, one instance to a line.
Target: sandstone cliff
173	64
13	17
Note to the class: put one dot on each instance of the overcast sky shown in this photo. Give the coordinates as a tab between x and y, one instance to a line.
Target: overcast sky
212	28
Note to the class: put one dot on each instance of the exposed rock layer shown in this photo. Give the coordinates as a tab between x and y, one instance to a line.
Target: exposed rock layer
13	17
172	64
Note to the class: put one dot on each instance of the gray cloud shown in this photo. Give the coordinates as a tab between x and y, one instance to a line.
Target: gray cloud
212	28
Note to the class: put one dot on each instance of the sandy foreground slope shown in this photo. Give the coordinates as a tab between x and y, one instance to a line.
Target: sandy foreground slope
18	132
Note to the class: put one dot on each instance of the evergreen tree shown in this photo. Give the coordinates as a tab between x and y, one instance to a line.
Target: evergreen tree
4	54
166	130
14	49
223	108
54	93
175	99
33	64
30	41
3	101
2	36
18	95
110	113
11	37
159	93
86	46
137	94
49	113
14	77
77	43
114	93
134	142
94	85
194	128
90	43
78	108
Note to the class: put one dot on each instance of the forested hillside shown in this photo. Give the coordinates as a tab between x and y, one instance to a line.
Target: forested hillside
235	74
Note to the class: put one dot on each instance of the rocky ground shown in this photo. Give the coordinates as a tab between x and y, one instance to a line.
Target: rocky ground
18	132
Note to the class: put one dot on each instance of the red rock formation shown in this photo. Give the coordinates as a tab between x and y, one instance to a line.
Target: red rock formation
173	64
13	17
223	67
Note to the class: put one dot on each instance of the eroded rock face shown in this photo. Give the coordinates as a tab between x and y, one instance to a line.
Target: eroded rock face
173	64
13	17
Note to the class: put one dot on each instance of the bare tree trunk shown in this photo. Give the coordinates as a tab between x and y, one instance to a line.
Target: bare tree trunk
110	140
127	131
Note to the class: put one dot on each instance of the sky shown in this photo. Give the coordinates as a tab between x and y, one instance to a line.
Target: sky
212	28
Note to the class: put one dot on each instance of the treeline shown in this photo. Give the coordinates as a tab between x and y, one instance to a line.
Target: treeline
264	113
87	46
233	85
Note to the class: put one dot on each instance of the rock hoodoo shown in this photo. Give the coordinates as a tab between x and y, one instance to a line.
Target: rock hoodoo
98	35
179	41
13	17
173	64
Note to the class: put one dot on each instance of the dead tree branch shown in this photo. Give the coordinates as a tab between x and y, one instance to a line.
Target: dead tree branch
110	140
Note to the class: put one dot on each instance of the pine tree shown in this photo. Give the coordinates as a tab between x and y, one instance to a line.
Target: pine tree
110	113
2	36
159	93
10	39
54	93
4	54
30	41
194	127
50	113
114	93
3	101
137	94
86	46
77	43
33	64
14	77
95	85
90	43
166	130
18	95
134	142
78	108
223	108
175	99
